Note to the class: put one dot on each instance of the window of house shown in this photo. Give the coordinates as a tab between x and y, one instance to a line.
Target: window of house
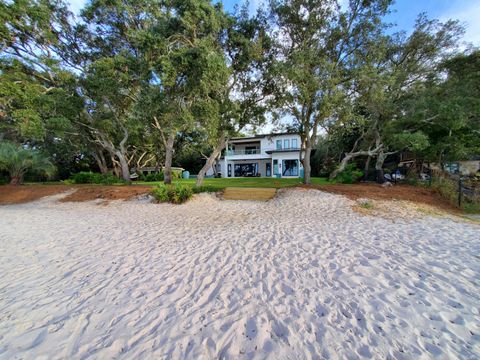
286	144
246	170
279	144
452	168
275	167
290	168
268	169
294	144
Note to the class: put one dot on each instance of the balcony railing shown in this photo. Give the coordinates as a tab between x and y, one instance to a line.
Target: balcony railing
244	152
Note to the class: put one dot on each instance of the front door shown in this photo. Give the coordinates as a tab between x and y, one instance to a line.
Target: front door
268	170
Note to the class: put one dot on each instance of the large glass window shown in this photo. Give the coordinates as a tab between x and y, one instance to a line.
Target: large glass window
294	144
275	167
279	144
246	170
290	168
452	168
286	144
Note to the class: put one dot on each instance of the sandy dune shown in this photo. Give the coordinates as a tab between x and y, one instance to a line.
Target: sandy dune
301	276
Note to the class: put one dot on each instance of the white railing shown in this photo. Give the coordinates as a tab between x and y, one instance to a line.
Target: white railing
244	152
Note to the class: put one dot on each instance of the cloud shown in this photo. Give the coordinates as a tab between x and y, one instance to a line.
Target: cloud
469	18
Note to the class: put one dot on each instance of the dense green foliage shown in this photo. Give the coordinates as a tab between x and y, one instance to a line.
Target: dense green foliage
84	177
16	161
160	83
350	175
173	193
176	174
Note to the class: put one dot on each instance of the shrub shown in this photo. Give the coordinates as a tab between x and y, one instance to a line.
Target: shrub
3	178
154	177
83	177
350	175
17	160
446	187
176	194
86	177
176	175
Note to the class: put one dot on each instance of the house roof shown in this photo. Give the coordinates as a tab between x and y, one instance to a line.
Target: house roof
282	150
261	136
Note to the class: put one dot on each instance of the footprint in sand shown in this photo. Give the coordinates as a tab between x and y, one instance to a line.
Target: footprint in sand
32	339
321	310
454	304
433	349
364	351
371	256
251	329
279	330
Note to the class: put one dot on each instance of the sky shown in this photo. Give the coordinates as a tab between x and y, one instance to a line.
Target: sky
403	15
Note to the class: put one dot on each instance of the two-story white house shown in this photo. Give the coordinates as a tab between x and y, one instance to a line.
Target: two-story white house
272	155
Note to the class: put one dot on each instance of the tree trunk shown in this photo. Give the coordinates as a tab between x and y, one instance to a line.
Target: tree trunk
367	167
307	169
123	166
16	180
167	172
211	159
342	165
379	167
351	156
115	167
101	162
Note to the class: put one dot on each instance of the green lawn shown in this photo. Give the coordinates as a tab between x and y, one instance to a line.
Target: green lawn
222	183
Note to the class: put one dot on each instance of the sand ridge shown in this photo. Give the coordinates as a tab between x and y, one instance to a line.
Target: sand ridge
300	276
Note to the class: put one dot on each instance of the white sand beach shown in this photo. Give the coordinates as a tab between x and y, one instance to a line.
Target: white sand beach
302	276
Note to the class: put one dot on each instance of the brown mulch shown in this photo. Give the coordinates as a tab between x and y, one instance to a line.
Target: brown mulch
396	192
26	193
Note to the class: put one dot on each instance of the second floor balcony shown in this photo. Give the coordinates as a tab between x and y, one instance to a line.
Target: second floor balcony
255	151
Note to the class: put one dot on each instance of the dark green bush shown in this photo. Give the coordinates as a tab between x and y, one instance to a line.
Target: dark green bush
350	175
86	177
3	178
176	175
154	177
176	193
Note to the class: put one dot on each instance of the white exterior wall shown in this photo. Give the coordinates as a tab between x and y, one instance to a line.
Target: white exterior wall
267	143
469	167
291	155
270	143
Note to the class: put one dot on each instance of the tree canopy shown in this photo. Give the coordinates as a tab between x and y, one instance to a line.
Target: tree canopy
129	84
